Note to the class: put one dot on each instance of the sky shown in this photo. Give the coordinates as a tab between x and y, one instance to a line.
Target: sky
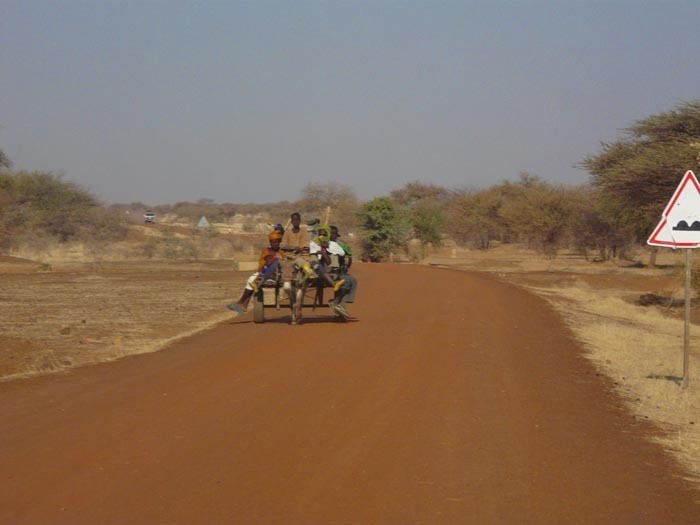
248	102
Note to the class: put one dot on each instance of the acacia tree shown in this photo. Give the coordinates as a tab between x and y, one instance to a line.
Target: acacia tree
316	197
529	211
475	218
414	193
426	204
637	174
538	213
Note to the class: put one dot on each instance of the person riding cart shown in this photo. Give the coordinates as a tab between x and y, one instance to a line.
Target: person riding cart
347	291
325	253
268	264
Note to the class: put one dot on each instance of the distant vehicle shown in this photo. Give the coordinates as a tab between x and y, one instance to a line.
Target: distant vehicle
149	216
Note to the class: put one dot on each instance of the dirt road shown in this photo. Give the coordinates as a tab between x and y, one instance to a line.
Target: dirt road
454	398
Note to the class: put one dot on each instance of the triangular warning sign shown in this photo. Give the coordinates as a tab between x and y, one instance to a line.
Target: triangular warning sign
680	222
203	222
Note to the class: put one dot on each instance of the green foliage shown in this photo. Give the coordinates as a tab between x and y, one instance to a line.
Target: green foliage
426	210
384	228
637	174
43	201
428	221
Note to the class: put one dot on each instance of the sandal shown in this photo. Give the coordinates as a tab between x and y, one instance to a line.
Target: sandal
235	307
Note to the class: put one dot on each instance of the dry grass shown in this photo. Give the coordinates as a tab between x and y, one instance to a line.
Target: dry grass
64	305
81	314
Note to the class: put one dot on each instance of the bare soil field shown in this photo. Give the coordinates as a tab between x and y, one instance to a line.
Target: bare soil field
76	314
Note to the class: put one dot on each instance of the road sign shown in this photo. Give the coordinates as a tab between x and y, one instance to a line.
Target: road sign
680	228
680	221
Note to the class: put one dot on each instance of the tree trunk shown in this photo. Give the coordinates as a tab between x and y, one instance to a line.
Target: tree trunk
652	257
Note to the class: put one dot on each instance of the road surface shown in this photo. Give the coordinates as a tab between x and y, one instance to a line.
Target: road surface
453	398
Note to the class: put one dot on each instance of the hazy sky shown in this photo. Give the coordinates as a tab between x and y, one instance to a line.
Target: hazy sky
164	101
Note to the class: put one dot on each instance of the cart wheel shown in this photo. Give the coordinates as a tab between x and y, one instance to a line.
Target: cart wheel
258	308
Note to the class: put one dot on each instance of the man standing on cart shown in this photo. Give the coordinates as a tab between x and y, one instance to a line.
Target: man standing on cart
295	238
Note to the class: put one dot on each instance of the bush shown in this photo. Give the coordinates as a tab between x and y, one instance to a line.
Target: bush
174	247
475	219
32	202
384	229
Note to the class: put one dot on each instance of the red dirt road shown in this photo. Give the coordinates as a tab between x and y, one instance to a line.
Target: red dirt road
454	398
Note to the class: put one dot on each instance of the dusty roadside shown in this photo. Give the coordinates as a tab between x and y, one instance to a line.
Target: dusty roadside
462	411
638	348
69	315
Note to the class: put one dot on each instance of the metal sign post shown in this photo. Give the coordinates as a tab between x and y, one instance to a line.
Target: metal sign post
680	228
686	328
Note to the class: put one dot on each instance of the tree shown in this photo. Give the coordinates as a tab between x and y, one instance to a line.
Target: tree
530	211
384	228
43	202
592	228
426	204
5	162
428	222
539	214
637	174
415	193
475	218
316	197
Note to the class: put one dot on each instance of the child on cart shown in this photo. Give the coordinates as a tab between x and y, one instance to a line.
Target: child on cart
321	248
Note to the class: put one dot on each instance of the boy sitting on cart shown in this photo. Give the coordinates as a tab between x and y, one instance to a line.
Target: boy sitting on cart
323	249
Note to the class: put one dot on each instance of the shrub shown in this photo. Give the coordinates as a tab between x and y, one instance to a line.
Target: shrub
384	229
32	202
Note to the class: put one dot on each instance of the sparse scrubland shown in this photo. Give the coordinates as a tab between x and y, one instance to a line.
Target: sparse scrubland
83	282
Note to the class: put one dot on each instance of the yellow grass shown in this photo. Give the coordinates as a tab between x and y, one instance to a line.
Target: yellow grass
78	314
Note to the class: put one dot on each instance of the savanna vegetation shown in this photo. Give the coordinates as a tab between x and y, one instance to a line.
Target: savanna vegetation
609	217
631	179
36	207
